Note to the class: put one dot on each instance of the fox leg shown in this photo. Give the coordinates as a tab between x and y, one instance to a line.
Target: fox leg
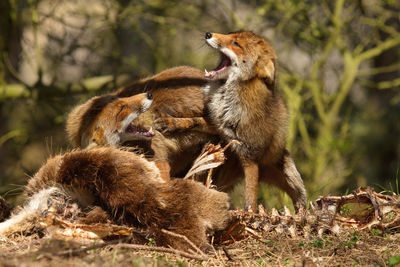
251	178
171	124
192	210
165	168
285	176
159	148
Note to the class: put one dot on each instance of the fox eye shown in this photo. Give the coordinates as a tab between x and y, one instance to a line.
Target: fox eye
122	108
236	44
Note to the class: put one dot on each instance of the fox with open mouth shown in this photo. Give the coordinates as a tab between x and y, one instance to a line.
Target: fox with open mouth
121	185
109	120
243	103
129	117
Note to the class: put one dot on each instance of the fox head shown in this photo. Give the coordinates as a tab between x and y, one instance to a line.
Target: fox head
243	56
108	120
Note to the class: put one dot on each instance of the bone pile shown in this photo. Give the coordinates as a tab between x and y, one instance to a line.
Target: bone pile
363	210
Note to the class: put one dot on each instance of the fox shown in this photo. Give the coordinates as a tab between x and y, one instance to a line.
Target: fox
182	121
132	118
242	102
114	120
130	189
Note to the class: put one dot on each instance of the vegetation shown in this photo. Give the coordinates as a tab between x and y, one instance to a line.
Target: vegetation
349	249
339	69
339	74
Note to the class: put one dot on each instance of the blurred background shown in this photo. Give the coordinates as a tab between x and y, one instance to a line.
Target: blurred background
339	73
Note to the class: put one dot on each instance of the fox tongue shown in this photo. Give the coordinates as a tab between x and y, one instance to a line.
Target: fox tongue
224	63
139	131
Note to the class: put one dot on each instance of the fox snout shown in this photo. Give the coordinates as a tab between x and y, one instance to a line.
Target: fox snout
139	103
212	41
216	40
147	102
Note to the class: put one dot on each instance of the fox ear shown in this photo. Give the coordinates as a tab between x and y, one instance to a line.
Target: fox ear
266	70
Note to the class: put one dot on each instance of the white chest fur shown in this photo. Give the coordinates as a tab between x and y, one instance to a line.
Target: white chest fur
226	110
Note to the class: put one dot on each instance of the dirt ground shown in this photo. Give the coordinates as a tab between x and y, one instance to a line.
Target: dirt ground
351	248
359	229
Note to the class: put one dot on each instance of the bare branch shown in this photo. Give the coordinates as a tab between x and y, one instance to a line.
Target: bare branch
373	52
186	240
374	71
381	85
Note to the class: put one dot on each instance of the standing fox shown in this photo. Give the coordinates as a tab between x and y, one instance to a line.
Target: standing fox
243	103
239	101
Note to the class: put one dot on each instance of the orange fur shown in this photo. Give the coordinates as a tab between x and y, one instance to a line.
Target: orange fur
132	192
106	120
243	103
176	94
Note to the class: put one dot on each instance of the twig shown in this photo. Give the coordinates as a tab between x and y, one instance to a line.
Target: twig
161	249
227	254
186	239
218	255
74	252
14	72
237	142
253	233
209	180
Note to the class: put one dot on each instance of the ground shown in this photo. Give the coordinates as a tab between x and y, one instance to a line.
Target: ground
350	248
359	229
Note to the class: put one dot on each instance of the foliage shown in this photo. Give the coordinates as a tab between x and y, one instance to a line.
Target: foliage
336	36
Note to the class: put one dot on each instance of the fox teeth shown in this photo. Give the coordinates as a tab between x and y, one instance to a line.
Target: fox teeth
205	70
151	129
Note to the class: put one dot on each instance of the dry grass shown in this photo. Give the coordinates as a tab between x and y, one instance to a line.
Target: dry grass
273	249
252	239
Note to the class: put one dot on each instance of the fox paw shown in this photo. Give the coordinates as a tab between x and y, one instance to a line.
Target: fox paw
165	125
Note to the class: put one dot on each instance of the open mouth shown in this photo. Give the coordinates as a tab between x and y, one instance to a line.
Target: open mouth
139	132
224	64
